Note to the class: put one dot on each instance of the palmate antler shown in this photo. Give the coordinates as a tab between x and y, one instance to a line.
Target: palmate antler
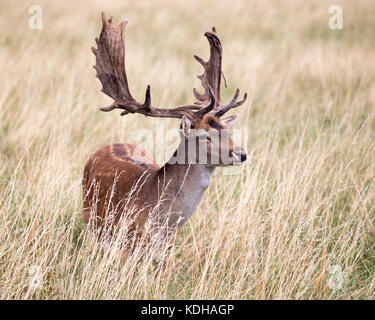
211	79
110	67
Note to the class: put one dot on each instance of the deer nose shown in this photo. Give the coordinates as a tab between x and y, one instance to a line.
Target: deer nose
240	154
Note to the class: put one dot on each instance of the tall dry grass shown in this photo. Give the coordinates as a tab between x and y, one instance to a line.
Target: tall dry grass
297	223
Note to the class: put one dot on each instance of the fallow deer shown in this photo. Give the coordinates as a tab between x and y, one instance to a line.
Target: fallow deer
113	170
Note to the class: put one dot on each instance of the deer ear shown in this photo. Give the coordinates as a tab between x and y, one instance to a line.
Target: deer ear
186	126
229	121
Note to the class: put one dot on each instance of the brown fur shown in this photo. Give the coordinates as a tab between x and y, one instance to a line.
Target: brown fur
112	171
120	184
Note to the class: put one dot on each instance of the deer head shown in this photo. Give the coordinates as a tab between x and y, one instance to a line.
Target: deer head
203	132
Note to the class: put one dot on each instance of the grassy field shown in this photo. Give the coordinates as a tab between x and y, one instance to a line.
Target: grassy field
298	222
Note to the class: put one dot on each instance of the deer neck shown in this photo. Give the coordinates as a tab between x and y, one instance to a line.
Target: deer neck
182	186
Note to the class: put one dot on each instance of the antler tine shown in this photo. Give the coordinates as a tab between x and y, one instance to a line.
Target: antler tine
232	104
110	67
213	102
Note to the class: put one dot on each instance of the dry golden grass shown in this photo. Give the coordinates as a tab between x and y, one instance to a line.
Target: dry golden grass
303	204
